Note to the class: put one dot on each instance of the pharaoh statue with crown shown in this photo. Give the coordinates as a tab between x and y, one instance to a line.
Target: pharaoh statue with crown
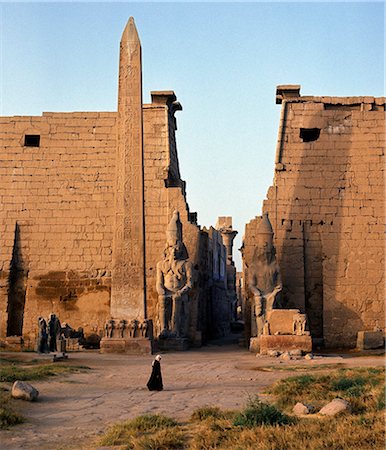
174	281
264	279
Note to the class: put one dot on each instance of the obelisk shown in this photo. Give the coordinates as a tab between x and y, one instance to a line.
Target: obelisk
128	292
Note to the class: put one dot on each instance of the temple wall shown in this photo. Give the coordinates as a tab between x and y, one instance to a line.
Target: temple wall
57	217
326	207
164	193
60	196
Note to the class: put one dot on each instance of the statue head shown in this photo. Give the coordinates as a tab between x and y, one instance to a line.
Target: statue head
264	250
174	229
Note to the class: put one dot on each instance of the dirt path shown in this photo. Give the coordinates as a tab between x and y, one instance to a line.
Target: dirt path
74	409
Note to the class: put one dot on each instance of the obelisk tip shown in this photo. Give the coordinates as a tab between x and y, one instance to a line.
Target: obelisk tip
130	32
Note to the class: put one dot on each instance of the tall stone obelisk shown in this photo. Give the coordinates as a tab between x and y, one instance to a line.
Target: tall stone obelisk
128	291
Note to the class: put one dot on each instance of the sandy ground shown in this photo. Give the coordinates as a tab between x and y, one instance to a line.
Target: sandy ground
74	409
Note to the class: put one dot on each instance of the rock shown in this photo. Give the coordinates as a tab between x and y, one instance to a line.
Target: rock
300	409
368	340
273	353
296	352
335	407
309	356
285	356
24	391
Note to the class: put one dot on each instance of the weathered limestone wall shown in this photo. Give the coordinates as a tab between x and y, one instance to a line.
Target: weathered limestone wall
60	195
165	193
326	208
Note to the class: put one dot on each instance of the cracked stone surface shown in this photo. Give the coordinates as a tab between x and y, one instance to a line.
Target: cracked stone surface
74	409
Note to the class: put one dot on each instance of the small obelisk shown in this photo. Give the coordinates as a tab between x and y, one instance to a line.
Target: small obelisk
128	296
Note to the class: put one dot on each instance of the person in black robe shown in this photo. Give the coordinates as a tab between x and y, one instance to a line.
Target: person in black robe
155	380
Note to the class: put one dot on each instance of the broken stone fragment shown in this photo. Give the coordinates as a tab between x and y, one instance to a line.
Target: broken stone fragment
285	356
297	352
24	391
300	409
336	406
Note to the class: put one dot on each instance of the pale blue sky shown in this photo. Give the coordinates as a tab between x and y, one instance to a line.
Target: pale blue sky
223	60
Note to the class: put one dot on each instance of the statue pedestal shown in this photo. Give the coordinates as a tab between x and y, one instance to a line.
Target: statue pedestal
173	344
285	343
254	345
131	346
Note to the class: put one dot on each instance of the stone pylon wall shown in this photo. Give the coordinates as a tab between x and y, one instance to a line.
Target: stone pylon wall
60	195
326	207
165	193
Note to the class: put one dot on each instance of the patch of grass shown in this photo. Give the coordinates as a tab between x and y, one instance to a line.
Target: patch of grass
8	417
209	412
298	368
360	386
334	433
150	422
260	413
150	431
11	372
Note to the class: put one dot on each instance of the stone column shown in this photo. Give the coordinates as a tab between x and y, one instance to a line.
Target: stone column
224	226
128	293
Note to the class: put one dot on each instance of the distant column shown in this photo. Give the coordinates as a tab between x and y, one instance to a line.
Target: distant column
128	296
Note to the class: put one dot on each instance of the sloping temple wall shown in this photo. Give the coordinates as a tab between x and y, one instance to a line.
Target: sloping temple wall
326	207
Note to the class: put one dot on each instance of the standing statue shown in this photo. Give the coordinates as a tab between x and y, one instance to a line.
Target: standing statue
174	281
54	330
42	336
264	279
299	324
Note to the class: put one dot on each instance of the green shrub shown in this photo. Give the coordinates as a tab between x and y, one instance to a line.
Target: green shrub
8	417
259	413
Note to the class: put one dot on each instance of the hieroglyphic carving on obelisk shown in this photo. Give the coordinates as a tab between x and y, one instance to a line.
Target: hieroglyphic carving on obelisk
128	297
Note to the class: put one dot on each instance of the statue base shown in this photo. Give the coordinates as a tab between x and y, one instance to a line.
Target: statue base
254	345
284	343
173	344
131	346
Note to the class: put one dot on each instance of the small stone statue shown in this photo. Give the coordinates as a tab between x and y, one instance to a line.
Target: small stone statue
299	324
109	328
121	328
133	326
143	328
264	277
54	329
42	336
266	329
174	281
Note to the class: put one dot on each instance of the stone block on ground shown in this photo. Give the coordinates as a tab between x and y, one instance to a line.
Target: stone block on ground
254	346
336	406
285	343
281	320
131	346
368	340
24	391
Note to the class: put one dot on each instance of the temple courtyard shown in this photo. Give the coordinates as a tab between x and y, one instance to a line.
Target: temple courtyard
74	409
